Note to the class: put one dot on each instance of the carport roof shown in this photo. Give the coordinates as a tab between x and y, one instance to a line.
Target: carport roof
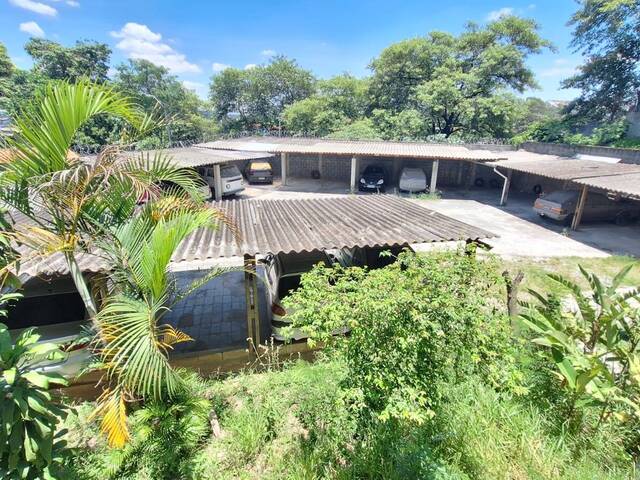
429	151
197	157
303	225
294	225
615	177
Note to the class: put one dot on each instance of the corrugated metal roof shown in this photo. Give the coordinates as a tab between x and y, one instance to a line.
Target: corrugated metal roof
196	157
353	148
621	178
298	225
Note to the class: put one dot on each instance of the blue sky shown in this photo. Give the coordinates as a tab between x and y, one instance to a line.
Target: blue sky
197	38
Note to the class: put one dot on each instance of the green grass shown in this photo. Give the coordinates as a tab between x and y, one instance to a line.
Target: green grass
535	270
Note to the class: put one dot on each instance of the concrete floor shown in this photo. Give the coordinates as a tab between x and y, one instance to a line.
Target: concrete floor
215	315
521	231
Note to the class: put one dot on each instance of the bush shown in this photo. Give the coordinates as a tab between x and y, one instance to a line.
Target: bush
421	321
30	445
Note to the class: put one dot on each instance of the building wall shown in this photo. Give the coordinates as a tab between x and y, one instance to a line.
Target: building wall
627	155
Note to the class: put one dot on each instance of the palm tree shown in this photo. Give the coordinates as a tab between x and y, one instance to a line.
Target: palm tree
133	345
69	202
79	207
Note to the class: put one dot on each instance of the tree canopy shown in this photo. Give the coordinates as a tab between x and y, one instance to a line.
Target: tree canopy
607	32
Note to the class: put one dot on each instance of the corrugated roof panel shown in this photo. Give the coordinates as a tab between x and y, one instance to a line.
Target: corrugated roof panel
353	148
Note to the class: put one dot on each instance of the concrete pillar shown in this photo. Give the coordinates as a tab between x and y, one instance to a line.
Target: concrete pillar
577	217
505	188
321	166
354	174
397	164
284	167
251	298
472	175
217	182
434	176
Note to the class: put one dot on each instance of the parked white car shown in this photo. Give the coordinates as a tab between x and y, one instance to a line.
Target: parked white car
413	180
232	180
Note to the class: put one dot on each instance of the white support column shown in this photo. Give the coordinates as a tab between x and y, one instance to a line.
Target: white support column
354	174
217	182
577	217
284	167
505	189
434	176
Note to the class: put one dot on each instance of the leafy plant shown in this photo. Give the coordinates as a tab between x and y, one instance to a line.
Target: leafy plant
30	446
593	343
421	321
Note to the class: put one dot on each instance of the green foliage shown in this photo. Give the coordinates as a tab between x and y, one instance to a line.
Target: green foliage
593	345
259	95
607	33
420	322
30	447
85	60
451	81
359	130
165	437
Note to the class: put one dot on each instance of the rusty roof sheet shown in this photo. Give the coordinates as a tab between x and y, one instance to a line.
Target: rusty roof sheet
195	157
303	225
354	148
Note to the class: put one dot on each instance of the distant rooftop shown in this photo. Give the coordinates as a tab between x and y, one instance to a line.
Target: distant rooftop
375	148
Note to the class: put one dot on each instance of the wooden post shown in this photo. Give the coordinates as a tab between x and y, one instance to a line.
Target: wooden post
434	176
577	217
354	174
251	297
505	188
217	182
284	167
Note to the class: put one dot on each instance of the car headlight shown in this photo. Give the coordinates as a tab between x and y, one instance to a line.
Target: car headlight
380	182
362	180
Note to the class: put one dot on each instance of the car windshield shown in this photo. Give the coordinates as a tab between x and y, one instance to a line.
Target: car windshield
370	170
230	171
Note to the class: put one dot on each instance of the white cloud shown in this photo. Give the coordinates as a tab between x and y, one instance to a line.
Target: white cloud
192	85
140	43
36	7
268	52
218	67
32	28
72	3
561	68
249	66
497	14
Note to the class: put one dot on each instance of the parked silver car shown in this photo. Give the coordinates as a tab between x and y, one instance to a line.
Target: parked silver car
412	180
561	206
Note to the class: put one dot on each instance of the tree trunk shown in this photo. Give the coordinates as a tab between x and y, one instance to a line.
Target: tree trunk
81	284
512	285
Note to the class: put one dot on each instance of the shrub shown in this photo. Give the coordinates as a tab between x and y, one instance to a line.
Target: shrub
414	324
30	446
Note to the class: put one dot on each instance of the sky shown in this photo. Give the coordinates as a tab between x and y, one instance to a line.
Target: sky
197	39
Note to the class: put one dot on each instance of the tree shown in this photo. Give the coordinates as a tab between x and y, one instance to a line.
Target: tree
336	103
258	96
89	60
607	32
444	77
156	90
6	65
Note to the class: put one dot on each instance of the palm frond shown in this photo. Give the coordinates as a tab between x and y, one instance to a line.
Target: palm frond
112	411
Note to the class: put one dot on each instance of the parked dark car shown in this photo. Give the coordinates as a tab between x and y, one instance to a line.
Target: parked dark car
372	179
259	172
